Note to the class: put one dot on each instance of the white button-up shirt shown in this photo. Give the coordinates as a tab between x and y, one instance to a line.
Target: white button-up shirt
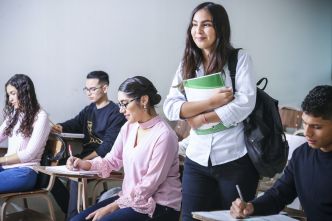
226	145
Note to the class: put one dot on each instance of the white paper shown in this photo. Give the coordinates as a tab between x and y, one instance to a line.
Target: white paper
63	170
224	215
294	142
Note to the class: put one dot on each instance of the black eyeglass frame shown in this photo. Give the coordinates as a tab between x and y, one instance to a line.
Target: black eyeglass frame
124	105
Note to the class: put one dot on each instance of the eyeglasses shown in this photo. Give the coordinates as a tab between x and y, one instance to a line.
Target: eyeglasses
124	105
91	89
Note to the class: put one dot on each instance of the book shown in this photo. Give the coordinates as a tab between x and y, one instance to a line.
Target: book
224	215
201	88
63	170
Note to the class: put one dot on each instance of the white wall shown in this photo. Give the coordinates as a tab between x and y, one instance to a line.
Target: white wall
57	42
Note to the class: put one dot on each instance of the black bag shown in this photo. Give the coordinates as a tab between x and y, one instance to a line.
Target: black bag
263	131
48	157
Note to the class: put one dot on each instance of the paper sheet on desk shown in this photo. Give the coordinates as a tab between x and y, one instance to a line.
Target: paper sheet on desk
63	170
224	215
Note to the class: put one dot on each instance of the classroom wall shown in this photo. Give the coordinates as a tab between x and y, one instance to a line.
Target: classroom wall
57	42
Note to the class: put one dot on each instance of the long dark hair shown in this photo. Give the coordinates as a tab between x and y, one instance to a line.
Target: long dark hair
193	55
138	86
28	105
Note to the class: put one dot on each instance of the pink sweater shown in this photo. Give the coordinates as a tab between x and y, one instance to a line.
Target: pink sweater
151	168
28	149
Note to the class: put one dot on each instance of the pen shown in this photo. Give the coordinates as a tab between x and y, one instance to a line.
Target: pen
239	192
70	152
53	124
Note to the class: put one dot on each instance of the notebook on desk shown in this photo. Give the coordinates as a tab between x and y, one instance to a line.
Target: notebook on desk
63	170
224	215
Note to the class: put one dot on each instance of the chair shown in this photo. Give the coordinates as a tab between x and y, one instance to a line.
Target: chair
291	118
54	149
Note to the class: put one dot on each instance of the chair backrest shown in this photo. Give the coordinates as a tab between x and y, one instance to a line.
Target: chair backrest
291	118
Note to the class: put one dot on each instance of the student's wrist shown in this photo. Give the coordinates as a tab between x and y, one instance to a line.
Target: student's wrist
3	161
204	119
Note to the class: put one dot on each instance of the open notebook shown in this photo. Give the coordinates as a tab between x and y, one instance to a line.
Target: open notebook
224	215
63	170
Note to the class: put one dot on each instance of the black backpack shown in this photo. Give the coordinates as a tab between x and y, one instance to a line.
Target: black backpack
263	131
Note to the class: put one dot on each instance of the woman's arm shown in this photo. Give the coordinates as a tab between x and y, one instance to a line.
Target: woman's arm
245	93
11	159
177	107
191	109
37	141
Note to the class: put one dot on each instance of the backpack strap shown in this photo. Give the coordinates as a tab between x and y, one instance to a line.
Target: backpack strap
232	62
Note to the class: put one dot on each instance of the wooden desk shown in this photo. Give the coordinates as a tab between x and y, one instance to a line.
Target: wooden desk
82	180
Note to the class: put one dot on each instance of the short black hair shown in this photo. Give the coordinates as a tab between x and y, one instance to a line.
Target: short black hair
318	102
102	76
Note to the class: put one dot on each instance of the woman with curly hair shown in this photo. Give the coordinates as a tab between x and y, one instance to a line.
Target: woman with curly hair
27	127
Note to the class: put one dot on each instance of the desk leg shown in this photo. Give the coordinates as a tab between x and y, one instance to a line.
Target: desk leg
79	195
85	193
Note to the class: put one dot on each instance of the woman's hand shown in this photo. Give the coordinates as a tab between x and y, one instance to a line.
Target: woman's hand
99	213
222	97
240	209
196	121
74	163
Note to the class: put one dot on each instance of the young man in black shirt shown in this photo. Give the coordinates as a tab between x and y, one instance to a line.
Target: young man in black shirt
100	122
308	175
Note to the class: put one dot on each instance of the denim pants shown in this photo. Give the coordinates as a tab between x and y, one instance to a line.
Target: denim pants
72	206
17	179
162	213
213	187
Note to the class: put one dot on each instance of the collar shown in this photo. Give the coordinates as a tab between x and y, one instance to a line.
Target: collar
150	123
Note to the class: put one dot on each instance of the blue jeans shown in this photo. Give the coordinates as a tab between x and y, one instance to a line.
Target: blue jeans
162	213
17	179
72	205
213	187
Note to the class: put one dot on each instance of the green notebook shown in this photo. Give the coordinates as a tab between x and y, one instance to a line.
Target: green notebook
201	88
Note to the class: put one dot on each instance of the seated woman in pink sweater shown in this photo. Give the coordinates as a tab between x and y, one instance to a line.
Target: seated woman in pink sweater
27	127
147	149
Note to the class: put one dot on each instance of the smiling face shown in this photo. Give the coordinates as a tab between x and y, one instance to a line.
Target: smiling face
202	31
318	132
12	96
130	107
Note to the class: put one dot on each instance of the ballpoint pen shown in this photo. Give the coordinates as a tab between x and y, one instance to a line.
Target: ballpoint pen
239	192
70	151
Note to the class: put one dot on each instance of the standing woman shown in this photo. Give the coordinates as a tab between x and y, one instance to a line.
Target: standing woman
147	149
27	127
218	161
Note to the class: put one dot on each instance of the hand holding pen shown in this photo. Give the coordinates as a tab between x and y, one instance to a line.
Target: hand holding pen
75	163
71	162
240	208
